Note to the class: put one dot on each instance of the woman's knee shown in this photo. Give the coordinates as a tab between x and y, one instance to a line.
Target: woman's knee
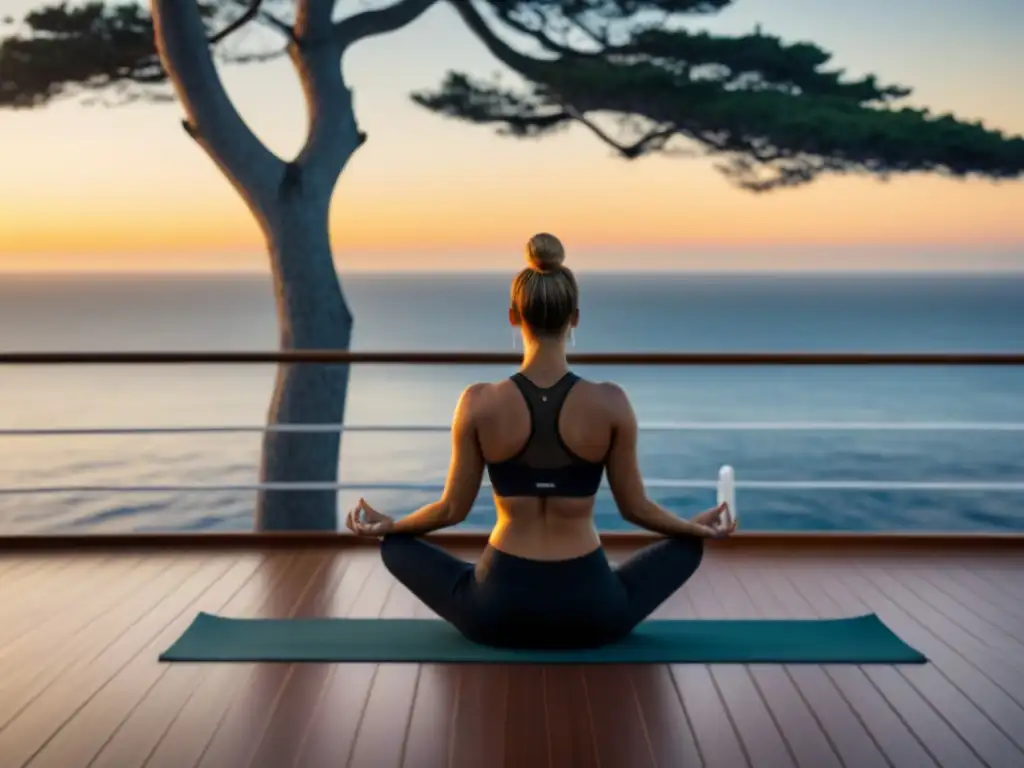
394	548
692	547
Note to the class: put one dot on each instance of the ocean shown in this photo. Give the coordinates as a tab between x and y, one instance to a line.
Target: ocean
440	312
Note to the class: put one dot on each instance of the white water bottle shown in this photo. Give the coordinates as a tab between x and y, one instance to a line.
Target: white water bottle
727	494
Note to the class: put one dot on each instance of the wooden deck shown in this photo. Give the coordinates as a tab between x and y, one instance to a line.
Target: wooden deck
80	684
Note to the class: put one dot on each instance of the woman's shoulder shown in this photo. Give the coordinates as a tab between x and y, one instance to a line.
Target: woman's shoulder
611	401
480	394
608	391
483	389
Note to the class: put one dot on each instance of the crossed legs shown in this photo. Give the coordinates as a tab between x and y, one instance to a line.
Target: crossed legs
652	574
436	577
442	581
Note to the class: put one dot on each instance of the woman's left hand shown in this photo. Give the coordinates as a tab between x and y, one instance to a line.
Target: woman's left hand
364	520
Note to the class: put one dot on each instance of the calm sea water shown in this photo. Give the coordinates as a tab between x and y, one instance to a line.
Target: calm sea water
654	313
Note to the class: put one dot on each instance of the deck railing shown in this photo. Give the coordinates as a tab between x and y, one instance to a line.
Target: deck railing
327	356
483	358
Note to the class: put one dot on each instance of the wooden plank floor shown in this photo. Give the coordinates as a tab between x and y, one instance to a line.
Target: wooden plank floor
80	684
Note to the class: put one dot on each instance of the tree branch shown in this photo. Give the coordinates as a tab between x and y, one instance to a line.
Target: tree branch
542	37
281	26
333	134
598	37
250	13
253	10
653	139
381	21
501	50
211	118
518	114
313	22
530	67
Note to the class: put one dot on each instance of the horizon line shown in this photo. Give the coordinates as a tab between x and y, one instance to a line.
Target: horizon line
824	271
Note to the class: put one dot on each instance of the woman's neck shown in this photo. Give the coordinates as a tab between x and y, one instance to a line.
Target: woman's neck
544	360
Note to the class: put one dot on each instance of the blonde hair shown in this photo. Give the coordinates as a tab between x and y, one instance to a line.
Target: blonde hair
545	294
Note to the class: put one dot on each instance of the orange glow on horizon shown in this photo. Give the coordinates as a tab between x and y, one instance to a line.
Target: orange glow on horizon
836	212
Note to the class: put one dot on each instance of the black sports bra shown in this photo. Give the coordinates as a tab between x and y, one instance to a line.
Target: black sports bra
545	466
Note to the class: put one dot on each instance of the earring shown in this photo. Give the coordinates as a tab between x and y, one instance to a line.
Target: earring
515	339
572	337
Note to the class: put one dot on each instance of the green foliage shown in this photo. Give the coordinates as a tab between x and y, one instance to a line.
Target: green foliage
99	47
89	46
773	114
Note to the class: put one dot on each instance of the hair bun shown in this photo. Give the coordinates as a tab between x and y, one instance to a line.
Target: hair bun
545	253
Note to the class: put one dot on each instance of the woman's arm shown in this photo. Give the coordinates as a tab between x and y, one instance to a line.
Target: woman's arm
464	475
626	482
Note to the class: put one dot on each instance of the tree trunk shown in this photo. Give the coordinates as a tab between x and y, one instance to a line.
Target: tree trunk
312	314
290	202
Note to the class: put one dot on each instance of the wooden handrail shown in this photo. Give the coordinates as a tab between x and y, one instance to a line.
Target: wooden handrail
1011	543
327	356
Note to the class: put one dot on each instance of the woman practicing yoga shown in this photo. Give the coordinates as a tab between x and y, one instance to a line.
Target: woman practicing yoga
545	437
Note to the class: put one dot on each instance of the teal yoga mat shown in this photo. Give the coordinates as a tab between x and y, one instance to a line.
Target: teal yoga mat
859	640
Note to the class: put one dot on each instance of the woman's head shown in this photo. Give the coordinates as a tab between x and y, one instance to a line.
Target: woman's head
545	297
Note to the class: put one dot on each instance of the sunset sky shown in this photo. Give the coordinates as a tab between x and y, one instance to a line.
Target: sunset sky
87	188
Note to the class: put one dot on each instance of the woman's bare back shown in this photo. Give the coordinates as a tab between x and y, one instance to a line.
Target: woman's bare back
552	527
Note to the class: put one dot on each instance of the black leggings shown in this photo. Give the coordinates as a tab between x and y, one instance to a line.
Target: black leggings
510	601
